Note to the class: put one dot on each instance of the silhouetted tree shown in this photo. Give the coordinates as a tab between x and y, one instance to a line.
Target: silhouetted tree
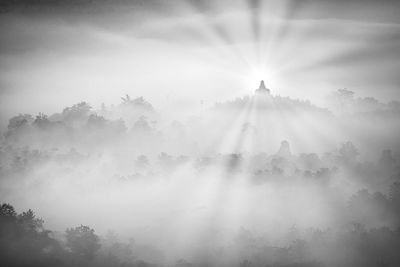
29	221
24	242
96	122
82	241
42	121
7	211
19	121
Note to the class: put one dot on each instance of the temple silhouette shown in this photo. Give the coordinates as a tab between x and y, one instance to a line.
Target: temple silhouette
262	89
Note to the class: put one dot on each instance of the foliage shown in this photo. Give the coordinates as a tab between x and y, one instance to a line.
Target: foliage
82	241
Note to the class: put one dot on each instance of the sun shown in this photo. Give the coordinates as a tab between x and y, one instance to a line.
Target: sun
255	75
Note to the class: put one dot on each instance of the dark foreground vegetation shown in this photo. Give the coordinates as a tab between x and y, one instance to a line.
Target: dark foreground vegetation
25	242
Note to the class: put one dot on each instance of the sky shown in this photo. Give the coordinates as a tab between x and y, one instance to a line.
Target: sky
179	53
263	162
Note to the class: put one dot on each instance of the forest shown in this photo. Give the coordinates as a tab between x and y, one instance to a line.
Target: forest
252	181
199	133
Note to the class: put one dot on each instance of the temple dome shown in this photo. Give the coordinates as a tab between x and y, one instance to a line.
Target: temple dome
262	89
284	150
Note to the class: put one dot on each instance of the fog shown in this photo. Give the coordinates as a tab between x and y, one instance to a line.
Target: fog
199	133
55	55
260	165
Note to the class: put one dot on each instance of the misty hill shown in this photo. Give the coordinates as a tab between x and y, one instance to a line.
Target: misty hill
264	100
235	178
255	123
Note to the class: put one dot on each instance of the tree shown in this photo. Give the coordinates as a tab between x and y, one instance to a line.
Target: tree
80	109
77	114
24	242
29	221
82	241
96	122
42	121
8	218
138	102
348	152
126	100
344	99
19	121
142	125
386	161
345	93
7	211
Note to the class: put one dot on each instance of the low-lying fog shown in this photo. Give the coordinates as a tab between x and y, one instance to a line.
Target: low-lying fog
241	182
196	166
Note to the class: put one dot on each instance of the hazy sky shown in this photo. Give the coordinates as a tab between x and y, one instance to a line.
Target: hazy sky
176	53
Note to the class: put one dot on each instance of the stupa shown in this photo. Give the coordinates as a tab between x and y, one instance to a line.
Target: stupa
262	89
284	150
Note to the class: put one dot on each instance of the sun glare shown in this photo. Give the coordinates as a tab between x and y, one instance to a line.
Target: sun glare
253	78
